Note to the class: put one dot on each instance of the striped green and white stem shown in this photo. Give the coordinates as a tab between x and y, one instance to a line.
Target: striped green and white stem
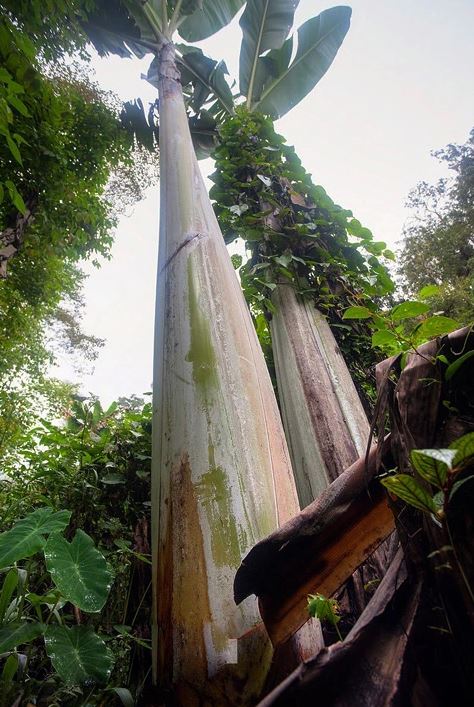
222	478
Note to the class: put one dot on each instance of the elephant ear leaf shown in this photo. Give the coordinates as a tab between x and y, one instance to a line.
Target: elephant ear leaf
78	655
265	25
208	18
280	85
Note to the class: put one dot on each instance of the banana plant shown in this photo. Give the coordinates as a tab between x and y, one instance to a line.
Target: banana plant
312	377
221	475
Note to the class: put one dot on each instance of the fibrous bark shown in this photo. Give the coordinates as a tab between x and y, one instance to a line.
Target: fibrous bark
325	423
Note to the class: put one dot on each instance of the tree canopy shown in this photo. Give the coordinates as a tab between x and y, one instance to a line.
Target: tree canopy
438	247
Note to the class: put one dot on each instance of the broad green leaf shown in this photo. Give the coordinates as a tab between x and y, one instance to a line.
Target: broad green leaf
407	488
16	634
78	654
9	585
27	535
454	367
318	42
428	291
357	313
15	197
406	310
464	448
433	464
435	326
265	25
208	19
389	254
206	76
78	570
383	338
125	31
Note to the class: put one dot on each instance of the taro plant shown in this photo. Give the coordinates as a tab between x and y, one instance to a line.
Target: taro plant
42	632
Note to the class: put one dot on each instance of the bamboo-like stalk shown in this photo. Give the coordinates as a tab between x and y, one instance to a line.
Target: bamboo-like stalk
222	477
325	423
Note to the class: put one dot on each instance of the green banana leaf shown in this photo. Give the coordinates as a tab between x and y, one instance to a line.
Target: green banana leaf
209	18
281	85
265	25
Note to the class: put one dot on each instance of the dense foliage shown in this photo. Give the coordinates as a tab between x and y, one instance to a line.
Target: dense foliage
295	233
95	464
438	245
67	167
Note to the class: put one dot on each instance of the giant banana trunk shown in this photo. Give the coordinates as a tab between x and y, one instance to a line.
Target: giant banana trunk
325	423
222	477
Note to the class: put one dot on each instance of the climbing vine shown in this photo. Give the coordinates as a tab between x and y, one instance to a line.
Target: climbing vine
295	233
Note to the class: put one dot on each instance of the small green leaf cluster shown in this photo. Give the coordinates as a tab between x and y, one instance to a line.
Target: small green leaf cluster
324	609
293	229
295	233
76	574
405	326
440	468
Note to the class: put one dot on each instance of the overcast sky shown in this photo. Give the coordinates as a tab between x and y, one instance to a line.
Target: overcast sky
400	86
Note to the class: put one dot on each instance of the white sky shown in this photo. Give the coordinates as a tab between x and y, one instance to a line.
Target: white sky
400	86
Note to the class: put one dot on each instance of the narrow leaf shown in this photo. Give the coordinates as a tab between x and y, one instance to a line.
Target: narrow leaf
407	488
454	367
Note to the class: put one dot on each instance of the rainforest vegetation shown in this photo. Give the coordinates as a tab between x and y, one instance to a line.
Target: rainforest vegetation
122	527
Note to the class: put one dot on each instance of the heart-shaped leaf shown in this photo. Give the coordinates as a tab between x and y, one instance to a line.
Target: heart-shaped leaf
78	570
78	654
27	535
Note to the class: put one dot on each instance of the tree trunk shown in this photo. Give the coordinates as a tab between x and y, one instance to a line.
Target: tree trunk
222	478
325	423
